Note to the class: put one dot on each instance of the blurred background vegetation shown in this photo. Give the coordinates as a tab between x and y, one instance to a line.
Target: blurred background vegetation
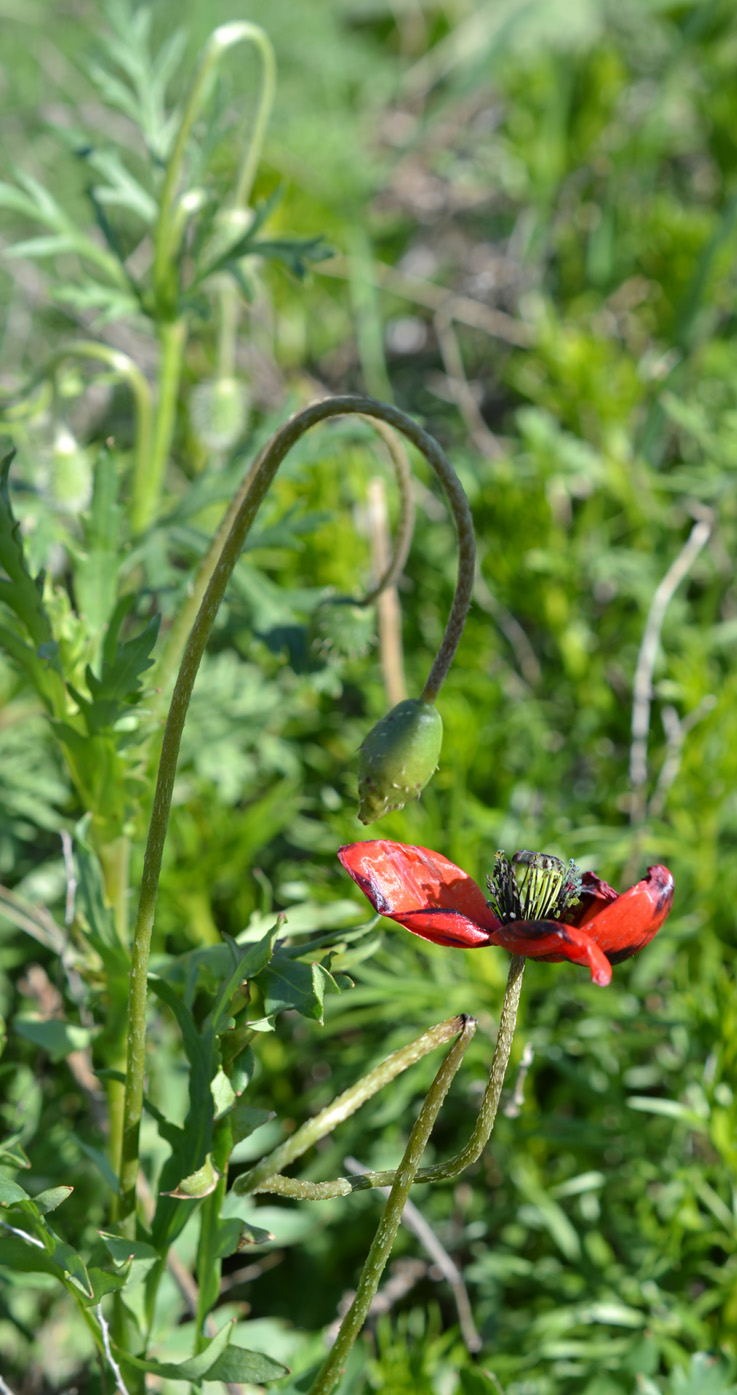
532	206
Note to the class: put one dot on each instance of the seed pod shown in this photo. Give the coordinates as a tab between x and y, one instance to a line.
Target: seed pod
398	757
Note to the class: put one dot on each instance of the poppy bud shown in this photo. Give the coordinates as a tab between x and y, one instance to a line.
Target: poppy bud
71	473
398	757
219	411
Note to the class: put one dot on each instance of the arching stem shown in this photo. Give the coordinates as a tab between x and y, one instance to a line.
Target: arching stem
254	489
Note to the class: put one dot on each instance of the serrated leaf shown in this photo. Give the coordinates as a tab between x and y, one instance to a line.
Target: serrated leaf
96	571
20	591
119	685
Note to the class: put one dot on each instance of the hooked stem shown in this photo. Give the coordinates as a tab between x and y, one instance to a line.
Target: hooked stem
253	490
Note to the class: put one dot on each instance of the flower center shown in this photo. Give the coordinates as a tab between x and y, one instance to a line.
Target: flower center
533	886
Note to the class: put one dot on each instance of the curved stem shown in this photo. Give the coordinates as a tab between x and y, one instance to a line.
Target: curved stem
254	489
344	1105
126	369
383	1242
228	301
182	625
440	1172
222	38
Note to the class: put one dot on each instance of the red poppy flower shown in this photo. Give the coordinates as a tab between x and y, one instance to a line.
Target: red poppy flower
539	907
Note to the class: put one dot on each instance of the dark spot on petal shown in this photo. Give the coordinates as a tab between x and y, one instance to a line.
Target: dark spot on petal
374	893
615	956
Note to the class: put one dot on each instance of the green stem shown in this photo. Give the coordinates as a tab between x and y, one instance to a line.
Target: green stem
229	304
383	1242
440	1172
346	1104
124	368
174	647
255	487
222	38
149	473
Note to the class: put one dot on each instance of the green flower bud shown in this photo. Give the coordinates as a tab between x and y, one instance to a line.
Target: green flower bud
398	758
71	473
339	630
219	411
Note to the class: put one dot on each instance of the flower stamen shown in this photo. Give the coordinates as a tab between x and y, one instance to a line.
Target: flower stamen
532	886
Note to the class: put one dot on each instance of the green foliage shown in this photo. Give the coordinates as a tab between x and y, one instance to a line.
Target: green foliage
570	168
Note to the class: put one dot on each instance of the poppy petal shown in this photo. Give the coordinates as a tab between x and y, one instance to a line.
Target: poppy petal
595	895
625	925
553	941
421	890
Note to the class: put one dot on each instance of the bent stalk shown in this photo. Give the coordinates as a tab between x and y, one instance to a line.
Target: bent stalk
254	489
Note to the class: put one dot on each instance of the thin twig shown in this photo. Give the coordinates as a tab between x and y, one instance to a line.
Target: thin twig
406	1273
643	684
460	389
511	629
676	732
414	1220
458	307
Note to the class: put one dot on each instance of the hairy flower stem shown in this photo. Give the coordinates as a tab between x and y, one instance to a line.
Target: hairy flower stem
440	1172
182	625
123	367
383	1242
346	1104
255	487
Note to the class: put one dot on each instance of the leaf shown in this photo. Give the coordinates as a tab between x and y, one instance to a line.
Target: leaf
234	1234
287	983
245	1119
238	1365
10	1193
92	902
198	1184
20	591
52	1197
119	685
11	1153
246	964
55	1036
96	571
194	1369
